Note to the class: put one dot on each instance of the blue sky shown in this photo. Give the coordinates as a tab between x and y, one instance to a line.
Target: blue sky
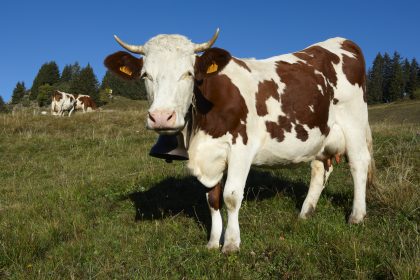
35	32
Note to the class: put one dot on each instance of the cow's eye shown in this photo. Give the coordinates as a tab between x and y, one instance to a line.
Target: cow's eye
187	75
146	75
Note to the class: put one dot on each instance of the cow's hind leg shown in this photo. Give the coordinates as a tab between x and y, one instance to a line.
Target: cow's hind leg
319	177
214	199
359	160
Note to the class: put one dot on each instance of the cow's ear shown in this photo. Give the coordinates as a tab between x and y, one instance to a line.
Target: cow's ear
211	62
124	65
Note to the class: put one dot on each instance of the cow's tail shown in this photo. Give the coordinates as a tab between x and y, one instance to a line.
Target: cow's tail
371	167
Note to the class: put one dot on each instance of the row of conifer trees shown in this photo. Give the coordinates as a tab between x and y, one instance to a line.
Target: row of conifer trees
389	79
392	78
74	79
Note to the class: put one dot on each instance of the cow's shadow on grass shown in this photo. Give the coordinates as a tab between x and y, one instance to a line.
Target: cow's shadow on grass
173	196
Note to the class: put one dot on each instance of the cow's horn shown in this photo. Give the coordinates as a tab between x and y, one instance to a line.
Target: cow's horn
131	48
204	46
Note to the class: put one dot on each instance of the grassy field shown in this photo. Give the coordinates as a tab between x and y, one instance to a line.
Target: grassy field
81	199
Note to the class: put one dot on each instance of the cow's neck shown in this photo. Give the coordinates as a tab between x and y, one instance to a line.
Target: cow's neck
219	108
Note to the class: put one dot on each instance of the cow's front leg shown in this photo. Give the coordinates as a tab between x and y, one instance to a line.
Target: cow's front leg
238	170
214	199
71	111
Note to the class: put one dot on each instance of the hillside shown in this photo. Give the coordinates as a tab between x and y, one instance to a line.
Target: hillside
399	112
80	198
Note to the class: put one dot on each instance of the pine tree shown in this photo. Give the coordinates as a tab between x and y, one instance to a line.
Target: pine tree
75	69
53	73
396	83
47	74
418	75
130	89
66	74
44	94
406	74
412	83
3	106
85	82
18	93
375	80
69	72
386	74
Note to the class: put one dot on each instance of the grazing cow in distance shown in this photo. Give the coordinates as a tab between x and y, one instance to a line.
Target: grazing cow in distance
307	106
85	103
62	102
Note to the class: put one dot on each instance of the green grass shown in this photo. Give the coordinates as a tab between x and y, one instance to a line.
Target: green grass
81	199
399	112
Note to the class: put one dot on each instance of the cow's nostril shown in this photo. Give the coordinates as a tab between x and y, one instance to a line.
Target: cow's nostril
151	118
170	117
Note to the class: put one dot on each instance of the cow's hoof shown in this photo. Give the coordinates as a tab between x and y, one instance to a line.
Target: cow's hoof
307	213
230	248
213	245
356	217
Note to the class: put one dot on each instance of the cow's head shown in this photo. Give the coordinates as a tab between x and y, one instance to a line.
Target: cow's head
168	67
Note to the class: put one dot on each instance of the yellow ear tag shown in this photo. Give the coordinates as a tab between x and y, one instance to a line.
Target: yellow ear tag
212	68
126	70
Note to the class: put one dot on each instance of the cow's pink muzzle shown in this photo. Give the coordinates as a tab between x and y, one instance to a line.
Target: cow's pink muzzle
162	120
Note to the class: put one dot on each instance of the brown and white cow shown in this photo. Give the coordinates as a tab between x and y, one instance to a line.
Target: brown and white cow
307	106
62	102
85	103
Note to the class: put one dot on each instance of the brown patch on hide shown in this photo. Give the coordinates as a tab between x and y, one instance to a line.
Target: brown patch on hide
87	102
321	60
301	133
309	84
220	108
354	67
215	197
57	96
276	132
241	63
277	129
266	89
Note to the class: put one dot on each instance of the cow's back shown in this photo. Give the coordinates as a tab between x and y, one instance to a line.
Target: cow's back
294	100
85	102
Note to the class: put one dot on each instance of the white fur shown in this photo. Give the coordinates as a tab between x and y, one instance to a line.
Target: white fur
216	228
215	152
167	61
64	104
